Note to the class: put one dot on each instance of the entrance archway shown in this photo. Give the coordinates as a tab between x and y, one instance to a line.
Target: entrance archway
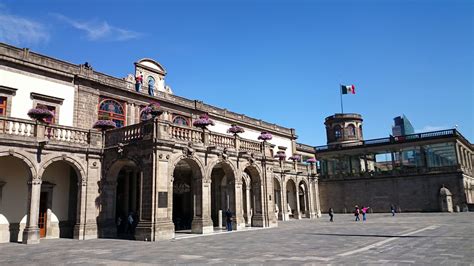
254	196
187	180
277	195
222	192
121	204
14	177
303	199
58	204
291	199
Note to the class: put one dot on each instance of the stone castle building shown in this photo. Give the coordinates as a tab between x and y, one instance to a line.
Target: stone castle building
65	179
430	171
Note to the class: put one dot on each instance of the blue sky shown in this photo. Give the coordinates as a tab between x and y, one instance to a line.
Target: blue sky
280	61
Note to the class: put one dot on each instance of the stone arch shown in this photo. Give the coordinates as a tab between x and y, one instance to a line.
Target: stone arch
63	177
23	156
70	159
17	169
304	199
115	200
291	190
277	195
228	163
255	194
194	160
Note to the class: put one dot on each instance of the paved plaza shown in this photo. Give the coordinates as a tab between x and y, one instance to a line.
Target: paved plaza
411	238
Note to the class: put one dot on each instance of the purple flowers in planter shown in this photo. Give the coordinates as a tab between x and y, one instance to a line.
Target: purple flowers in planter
153	109
40	113
104	124
234	129
203	121
265	136
280	155
295	158
311	160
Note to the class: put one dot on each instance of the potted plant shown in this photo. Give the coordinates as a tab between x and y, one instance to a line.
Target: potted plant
203	121
104	123
280	155
234	129
265	136
311	160
153	109
295	158
40	113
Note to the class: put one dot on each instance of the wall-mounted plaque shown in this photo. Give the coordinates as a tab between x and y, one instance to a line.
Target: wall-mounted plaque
162	199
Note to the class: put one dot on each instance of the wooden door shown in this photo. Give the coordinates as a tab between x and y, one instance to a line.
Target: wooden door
43	210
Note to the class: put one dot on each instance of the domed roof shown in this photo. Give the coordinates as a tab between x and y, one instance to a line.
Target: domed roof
445	192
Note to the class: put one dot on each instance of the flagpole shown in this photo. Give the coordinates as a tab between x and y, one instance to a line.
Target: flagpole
340	91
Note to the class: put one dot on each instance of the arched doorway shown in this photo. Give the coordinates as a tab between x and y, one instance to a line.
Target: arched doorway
120	198
303	194
254	196
14	177
292	208
277	195
58	200
222	193
187	182
127	200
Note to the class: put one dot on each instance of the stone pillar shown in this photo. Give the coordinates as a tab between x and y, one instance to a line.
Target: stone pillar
298	212
239	218
81	209
202	222
249	214
87	211
316	196
257	215
31	231
284	200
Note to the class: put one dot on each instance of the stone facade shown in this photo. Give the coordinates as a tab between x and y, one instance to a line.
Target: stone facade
74	181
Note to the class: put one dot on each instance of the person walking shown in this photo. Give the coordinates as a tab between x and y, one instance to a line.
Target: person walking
331	214
228	216
392	210
364	213
357	213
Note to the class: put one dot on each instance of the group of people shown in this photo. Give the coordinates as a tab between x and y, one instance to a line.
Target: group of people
358	211
126	224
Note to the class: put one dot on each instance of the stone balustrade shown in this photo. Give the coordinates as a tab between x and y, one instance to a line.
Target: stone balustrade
221	140
125	134
66	134
181	133
19	127
24	129
250	145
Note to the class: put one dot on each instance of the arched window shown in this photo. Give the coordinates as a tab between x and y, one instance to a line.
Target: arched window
151	85
351	131
113	110
179	120
337	132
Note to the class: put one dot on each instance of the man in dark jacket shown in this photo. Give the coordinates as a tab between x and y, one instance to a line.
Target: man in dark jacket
228	219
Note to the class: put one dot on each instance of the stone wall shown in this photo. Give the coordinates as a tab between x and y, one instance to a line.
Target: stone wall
410	194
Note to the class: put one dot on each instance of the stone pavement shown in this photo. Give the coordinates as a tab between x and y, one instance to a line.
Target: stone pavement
411	238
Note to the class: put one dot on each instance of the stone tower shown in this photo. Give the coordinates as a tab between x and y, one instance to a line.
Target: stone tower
343	129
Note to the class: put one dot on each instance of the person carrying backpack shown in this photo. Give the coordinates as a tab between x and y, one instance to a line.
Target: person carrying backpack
357	213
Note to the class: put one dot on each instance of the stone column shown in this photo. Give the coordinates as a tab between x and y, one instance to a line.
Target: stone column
81	209
239	218
202	222
284	200
31	231
298	212
257	215
247	197
316	195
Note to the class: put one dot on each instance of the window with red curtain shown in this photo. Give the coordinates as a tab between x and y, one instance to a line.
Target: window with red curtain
3	106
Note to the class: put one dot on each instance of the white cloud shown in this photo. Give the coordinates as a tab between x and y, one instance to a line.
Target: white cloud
99	30
432	128
18	30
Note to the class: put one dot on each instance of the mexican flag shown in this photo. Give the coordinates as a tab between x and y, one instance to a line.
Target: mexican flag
348	89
